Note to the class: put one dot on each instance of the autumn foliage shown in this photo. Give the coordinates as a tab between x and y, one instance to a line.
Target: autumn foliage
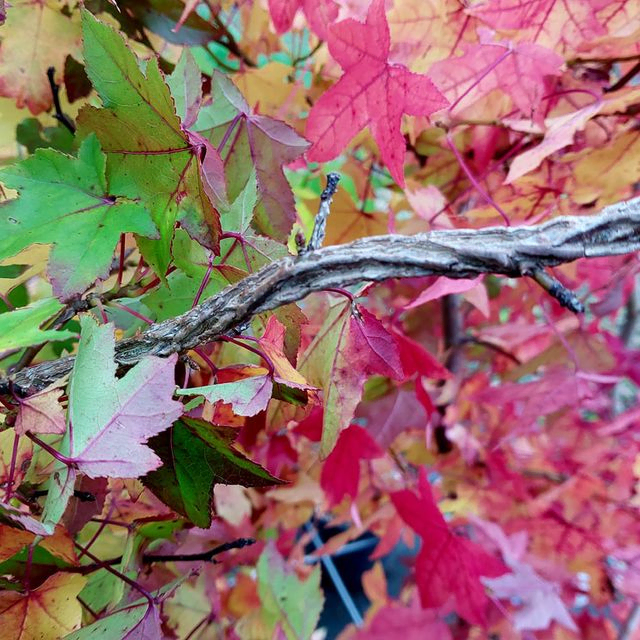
155	152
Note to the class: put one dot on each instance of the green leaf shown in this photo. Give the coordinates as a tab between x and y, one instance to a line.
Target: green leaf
254	146
150	156
33	135
83	218
197	455
110	418
21	328
247	396
346	351
293	604
240	213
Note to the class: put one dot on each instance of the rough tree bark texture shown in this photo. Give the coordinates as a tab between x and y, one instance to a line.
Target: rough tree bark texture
509	251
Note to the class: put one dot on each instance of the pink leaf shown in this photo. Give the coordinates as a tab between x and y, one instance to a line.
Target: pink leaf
517	70
416	359
341	470
392	414
541	598
372	92
443	287
560	132
319	14
111	418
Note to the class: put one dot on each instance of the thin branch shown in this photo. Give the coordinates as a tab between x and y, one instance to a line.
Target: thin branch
459	253
59	115
558	291
320	223
625	79
207	556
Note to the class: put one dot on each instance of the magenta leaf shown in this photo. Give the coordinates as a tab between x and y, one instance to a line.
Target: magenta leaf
372	92
341	470
448	567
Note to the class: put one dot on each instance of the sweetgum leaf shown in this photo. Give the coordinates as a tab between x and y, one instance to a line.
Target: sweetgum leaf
372	92
139	620
133	622
247	396
319	13
185	84
341	470
518	70
346	351
150	156
21	328
110	418
448	566
83	218
41	413
196	456
49	612
253	143
288	603
36	36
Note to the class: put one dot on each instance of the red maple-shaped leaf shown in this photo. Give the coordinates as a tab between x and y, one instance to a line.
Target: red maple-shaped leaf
372	92
319	13
341	470
448	567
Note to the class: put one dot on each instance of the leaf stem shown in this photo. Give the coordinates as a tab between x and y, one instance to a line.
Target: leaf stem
106	565
69	462
473	180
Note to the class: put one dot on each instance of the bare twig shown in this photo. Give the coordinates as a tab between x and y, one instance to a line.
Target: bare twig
320	223
207	556
460	253
59	115
557	290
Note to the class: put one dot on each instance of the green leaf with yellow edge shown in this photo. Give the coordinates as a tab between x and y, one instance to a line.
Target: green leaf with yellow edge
287	601
21	328
83	217
196	456
150	156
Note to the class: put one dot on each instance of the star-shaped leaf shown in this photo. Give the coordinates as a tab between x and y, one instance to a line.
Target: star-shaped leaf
346	351
21	328
110	418
196	456
319	13
372	92
252	142
448	567
150	155
83	218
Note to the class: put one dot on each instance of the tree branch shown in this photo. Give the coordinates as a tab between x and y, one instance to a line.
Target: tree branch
460	253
